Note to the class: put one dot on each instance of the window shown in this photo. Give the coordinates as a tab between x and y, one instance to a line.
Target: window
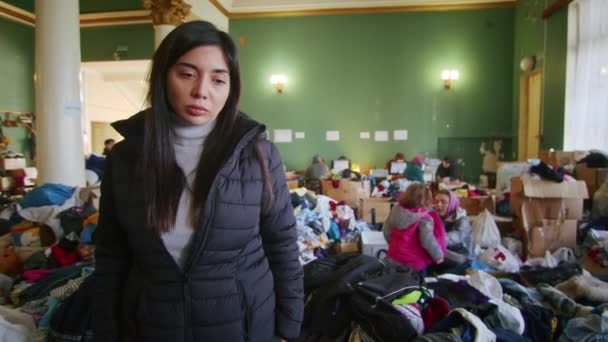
586	120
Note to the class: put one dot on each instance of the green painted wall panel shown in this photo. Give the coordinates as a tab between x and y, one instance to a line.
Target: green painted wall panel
89	6
86	6
547	40
370	72
555	80
16	73
100	43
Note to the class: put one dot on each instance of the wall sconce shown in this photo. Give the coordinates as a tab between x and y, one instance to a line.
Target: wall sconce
448	76
279	82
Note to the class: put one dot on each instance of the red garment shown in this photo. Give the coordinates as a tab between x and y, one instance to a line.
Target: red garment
33	276
63	257
437	309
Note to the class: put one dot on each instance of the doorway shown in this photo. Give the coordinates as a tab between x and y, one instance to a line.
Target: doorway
530	106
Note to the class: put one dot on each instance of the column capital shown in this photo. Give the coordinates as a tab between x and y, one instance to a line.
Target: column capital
167	12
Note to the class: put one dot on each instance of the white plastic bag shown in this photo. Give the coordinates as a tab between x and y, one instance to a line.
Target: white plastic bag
485	231
501	259
486	284
513	245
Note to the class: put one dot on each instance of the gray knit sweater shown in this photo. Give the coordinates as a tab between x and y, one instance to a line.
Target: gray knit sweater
189	143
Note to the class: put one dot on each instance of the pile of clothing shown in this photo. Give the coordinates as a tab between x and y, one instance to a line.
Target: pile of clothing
46	254
361	298
322	221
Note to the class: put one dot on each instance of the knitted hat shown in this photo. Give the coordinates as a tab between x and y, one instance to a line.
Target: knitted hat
419	159
437	309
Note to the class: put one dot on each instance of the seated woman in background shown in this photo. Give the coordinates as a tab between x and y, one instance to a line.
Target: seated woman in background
415	170
457	227
399	158
446	171
317	170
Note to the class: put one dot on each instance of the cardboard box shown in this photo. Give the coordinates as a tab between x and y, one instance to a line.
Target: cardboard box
561	158
563	200
293	184
373	244
7	183
505	225
546	233
594	177
382	208
12	163
347	247
475	205
348	191
508	170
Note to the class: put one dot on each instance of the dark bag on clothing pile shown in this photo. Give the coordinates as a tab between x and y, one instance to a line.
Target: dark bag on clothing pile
71	219
372	303
72	320
327	312
547	172
594	160
552	276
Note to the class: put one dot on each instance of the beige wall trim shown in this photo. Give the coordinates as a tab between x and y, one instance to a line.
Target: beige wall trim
363	10
115	18
86	19
16	14
220	8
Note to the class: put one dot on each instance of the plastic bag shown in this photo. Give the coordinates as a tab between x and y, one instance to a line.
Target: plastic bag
486	284
513	245
485	231
501	259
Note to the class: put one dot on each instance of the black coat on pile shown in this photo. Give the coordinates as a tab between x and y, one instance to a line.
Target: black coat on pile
242	281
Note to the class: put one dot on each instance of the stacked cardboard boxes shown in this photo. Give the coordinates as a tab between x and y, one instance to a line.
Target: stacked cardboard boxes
547	212
381	207
345	190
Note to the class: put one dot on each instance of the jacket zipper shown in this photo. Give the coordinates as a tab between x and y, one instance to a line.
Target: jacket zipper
193	256
244	308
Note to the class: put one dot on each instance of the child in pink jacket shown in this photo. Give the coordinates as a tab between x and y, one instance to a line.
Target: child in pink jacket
415	234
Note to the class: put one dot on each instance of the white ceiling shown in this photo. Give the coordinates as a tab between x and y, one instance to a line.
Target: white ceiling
285	5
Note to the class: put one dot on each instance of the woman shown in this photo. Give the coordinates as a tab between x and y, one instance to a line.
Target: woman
196	238
317	170
457	226
446	172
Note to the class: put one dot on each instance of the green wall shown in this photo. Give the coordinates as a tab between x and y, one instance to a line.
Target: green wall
16	73
370	72
87	6
531	35
99	43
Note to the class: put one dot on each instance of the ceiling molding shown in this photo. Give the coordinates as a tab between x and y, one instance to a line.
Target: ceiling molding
362	10
86	19
16	14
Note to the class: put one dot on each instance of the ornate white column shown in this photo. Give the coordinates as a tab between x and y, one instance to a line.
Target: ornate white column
60	152
166	15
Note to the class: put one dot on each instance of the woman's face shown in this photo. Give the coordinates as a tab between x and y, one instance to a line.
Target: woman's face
198	84
442	202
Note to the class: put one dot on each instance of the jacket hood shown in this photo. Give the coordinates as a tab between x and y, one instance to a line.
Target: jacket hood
409	217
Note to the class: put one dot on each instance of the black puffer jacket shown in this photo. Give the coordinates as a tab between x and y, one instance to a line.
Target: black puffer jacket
243	280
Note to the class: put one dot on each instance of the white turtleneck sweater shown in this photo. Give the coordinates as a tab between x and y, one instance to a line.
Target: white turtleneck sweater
189	143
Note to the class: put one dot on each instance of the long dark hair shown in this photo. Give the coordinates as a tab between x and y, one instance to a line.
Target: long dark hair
163	180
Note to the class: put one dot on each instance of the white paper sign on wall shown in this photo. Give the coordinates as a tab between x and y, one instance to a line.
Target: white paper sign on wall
282	136
300	135
332	135
381	135
400	134
364	135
